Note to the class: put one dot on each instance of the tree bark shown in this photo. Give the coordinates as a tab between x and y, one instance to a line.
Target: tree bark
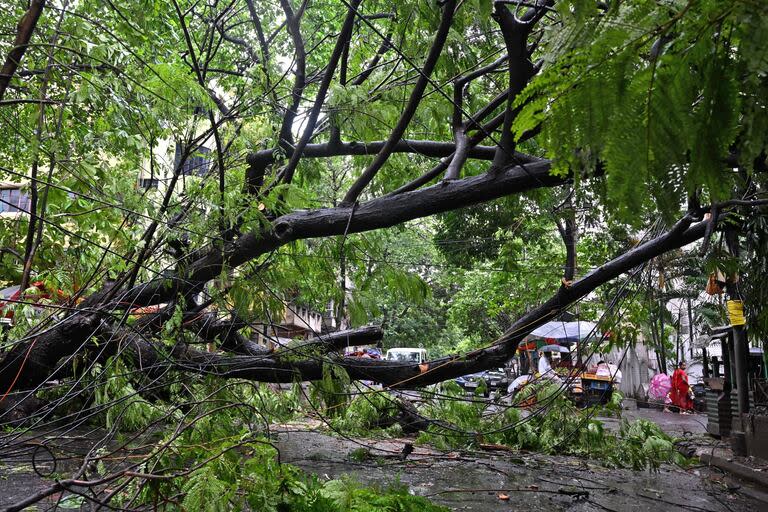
23	35
521	70
31	363
430	148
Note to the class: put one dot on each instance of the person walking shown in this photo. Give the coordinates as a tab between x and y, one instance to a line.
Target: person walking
680	394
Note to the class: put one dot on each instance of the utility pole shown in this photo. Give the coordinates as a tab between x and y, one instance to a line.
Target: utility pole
662	337
690	332
735	306
679	351
740	347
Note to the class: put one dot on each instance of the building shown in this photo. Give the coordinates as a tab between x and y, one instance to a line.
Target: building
14	200
157	174
298	322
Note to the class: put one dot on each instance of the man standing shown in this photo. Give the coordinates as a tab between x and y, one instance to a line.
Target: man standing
544	367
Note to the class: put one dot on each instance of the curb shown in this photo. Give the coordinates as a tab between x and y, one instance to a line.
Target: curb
735	468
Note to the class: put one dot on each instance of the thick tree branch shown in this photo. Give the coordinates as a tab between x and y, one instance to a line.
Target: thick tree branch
375	214
261	368
34	361
570	248
435	149
333	341
23	35
443	165
396	374
515	34
459	127
341	42
226	331
294	29
209	328
259	161
568	233
410	110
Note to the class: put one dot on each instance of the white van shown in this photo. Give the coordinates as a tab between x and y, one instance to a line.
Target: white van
407	355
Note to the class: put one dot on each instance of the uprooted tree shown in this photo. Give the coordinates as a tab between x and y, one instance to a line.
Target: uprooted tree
677	127
314	122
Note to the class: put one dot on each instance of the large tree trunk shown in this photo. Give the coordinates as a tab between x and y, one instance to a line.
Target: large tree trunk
33	362
398	374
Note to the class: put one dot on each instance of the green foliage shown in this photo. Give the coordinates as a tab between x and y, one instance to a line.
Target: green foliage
332	389
233	469
123	407
468	423
469	234
348	496
204	491
173	91
552	425
613	407
644	444
277	405
71	502
367	413
655	92
754	265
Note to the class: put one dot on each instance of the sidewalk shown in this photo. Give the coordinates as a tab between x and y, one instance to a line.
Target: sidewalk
677	425
747	474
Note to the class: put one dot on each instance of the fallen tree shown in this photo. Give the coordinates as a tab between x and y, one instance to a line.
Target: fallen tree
49	348
261	365
270	368
288	130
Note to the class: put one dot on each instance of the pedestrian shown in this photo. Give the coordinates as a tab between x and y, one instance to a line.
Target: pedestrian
680	394
544	366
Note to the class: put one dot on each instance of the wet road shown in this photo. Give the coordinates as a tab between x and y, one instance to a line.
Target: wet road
475	481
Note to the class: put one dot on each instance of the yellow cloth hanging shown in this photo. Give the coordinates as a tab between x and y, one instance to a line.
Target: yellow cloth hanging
736	312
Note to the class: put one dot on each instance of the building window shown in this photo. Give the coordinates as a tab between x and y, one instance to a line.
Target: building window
13	200
148	182
197	163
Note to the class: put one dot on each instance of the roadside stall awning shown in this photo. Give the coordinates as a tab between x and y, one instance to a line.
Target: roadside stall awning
528	345
558	333
563	332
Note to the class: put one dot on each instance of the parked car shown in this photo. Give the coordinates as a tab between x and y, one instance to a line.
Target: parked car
490	380
368	353
407	355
